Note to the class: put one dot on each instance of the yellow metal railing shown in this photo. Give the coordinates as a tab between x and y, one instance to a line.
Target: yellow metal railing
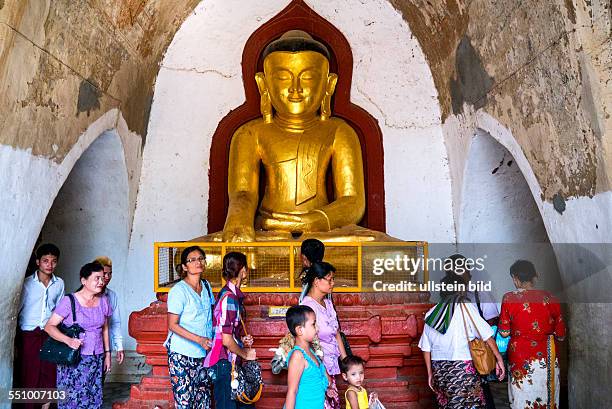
276	266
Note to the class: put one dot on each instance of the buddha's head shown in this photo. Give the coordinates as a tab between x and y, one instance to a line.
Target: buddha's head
296	80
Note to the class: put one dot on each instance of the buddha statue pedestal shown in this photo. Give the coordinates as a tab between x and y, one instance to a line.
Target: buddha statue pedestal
384	329
150	327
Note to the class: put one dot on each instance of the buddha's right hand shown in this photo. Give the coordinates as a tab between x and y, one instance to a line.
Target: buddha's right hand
239	234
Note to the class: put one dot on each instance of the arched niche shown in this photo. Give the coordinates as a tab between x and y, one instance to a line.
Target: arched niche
298	16
499	218
201	80
90	215
34	182
497	205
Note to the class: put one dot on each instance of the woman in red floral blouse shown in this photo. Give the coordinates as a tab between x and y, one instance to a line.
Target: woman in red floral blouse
533	320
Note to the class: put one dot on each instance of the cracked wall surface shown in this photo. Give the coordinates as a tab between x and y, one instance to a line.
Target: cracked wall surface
537	90
64	63
547	68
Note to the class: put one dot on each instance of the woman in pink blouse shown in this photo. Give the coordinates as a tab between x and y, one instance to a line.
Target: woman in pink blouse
319	280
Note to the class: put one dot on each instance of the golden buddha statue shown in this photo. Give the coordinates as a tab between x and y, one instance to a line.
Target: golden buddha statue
296	140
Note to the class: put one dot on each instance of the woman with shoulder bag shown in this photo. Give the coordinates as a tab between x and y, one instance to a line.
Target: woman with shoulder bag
83	382
189	332
231	344
450	327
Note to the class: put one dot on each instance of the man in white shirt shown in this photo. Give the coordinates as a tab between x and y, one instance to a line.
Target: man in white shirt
116	337
42	291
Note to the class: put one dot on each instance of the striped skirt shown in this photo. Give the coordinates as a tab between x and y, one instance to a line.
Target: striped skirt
457	385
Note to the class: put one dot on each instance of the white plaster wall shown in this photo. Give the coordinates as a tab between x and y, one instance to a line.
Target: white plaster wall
28	186
393	82
200	81
497	205
499	220
89	216
577	224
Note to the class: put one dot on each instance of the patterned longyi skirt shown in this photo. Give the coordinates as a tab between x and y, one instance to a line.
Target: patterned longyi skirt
82	383
457	385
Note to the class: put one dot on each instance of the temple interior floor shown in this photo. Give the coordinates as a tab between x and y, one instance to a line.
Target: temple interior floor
500	393
119	391
115	392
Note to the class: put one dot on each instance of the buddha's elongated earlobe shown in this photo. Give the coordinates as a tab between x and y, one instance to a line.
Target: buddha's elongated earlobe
330	87
265	102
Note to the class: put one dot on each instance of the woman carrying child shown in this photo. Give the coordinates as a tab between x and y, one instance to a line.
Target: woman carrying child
319	279
307	379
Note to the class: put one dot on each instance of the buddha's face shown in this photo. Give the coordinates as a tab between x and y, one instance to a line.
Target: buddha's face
296	81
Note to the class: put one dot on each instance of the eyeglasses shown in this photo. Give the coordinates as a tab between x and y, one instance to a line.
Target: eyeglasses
200	259
329	280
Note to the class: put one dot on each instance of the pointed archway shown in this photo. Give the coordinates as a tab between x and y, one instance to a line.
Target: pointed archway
90	215
499	217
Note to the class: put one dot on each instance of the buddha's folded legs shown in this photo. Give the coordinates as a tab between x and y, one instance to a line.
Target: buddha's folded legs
350	233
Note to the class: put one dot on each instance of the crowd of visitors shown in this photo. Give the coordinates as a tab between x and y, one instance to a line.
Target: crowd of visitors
531	317
45	309
207	337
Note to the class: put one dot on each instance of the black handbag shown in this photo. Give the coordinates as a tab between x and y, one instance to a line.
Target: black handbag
58	352
347	346
246	380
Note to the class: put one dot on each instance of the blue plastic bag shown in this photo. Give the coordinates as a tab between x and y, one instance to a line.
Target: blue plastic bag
502	342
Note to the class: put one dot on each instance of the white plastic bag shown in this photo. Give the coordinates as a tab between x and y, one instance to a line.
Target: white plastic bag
374	403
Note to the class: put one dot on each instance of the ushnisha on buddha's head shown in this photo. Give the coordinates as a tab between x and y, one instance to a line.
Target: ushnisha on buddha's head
296	80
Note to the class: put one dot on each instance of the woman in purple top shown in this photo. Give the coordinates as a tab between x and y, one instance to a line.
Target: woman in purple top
83	382
319	280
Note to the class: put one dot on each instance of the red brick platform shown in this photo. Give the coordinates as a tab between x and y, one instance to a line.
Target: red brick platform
382	328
